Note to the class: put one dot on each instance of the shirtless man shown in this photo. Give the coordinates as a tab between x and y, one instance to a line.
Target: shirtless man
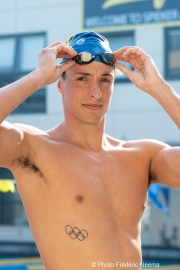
84	192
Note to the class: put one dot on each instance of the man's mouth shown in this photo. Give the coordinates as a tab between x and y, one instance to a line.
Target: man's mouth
91	106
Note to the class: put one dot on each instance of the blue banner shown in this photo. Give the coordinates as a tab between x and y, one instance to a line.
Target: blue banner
153	194
112	13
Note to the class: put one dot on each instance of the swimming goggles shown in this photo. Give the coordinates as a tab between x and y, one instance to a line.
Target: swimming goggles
85	58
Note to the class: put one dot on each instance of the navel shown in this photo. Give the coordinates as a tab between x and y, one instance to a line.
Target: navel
79	198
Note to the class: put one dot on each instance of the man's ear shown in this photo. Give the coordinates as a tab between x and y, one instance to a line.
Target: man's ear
60	86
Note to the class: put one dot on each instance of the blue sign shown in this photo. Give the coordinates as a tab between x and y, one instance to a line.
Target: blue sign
153	194
113	13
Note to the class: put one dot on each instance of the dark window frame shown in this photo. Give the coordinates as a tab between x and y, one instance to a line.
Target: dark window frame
115	35
166	54
15	74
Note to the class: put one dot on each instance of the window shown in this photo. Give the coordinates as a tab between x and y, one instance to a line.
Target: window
118	40
18	57
11	208
172	53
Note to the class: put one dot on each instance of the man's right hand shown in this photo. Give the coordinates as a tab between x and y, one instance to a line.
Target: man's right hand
47	61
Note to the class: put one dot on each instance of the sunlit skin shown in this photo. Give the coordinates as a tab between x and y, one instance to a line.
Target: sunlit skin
75	175
86	92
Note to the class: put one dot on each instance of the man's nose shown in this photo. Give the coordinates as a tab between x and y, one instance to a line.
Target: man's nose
94	90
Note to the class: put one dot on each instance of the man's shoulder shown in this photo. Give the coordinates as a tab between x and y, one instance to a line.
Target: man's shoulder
31	132
32	136
141	144
145	143
28	129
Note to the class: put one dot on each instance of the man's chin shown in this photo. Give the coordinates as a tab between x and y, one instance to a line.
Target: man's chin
93	121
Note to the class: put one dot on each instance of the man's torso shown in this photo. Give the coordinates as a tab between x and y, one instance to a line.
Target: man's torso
84	206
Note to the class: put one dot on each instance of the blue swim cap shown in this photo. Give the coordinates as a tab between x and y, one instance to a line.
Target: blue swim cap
91	42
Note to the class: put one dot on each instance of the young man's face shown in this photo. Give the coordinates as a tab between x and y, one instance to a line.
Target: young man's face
87	91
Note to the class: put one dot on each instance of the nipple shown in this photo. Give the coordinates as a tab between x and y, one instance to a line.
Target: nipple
79	198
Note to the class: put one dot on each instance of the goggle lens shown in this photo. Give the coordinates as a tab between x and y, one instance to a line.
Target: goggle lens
108	58
84	58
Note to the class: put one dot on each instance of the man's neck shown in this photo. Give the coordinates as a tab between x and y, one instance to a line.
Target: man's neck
86	135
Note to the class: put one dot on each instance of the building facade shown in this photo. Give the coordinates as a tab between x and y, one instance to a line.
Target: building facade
28	26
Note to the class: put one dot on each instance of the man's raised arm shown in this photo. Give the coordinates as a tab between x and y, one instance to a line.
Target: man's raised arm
147	78
46	73
165	159
11	96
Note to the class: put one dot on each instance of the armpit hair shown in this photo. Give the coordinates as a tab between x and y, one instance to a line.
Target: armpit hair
152	178
26	163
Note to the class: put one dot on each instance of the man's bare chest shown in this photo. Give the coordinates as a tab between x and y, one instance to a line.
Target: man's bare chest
76	177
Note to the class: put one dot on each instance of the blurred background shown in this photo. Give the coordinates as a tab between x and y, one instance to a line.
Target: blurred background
154	25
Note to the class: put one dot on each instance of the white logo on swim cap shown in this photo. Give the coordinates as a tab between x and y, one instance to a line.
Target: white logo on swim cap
80	41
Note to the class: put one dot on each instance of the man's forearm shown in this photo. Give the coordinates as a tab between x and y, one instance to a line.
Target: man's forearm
14	94
169	100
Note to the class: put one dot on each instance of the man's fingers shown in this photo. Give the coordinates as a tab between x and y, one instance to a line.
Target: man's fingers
55	44
66	65
129	50
128	54
124	69
120	51
133	50
64	55
63	49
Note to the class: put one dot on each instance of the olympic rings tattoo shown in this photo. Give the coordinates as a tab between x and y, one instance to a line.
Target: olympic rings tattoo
75	233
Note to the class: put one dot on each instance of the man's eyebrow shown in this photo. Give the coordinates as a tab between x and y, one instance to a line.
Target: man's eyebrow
89	74
107	74
83	73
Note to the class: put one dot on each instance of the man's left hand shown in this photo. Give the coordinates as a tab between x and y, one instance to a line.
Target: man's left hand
145	74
